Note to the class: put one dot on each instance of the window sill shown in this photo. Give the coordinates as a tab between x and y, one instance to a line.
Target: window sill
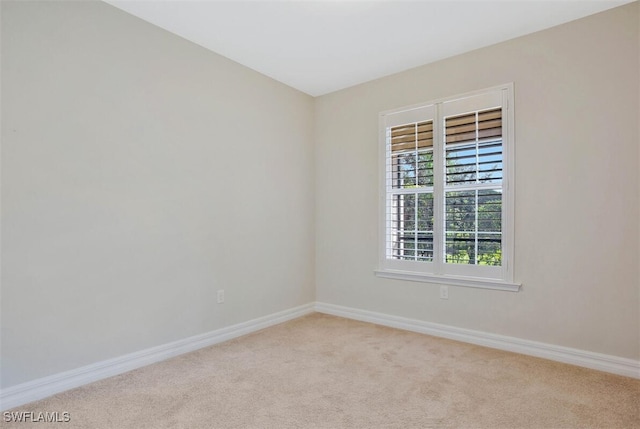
449	280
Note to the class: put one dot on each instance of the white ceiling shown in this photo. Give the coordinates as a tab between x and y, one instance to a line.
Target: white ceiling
323	46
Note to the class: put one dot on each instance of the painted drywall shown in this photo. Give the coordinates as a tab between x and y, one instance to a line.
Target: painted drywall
577	188
140	174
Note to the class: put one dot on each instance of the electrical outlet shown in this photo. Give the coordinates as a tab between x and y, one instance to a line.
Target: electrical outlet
220	296
444	292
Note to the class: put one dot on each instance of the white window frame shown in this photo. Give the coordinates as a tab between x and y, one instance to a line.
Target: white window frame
488	277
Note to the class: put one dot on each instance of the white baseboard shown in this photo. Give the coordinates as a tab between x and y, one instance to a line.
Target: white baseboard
21	394
602	362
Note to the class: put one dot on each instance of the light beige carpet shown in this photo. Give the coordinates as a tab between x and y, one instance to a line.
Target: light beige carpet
322	371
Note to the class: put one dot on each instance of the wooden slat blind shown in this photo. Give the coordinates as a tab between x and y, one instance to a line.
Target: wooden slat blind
412	136
464	128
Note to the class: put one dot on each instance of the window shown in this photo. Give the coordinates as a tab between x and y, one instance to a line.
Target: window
447	199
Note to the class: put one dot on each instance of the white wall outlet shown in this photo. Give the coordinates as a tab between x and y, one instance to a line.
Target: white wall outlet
220	296
444	292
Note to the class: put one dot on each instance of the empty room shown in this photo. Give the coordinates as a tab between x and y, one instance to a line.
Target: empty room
320	214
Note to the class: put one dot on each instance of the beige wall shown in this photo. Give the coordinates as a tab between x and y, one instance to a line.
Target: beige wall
141	173
577	188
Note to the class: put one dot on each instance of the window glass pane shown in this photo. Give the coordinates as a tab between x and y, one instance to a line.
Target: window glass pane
460	248
403	170
489	249
410	231
489	210
461	164
490	162
425	227
401	217
473	148
425	168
